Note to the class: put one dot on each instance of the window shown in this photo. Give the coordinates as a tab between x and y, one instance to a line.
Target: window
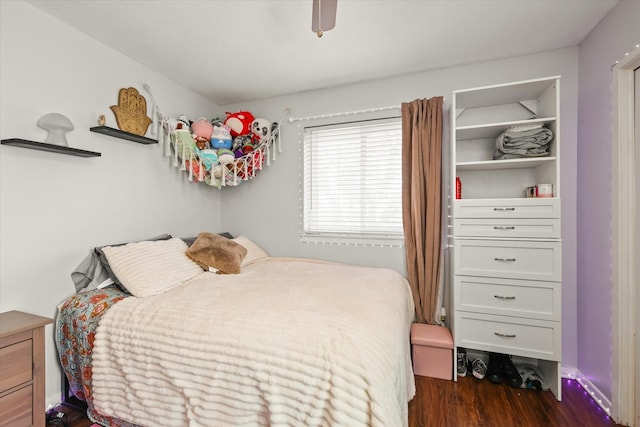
353	182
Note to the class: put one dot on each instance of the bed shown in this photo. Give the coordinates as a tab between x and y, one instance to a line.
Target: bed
282	342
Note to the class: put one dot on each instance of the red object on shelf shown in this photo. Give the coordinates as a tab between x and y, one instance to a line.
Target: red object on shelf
458	188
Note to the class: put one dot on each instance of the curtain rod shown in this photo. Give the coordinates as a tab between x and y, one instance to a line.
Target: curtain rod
347	113
626	54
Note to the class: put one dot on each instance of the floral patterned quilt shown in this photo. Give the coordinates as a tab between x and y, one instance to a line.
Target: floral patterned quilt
76	323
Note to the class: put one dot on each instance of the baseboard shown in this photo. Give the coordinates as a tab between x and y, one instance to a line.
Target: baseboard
569	372
51	400
591	389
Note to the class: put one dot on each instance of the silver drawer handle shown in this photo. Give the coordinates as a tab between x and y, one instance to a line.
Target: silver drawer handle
504	209
505	335
504	259
503	297
503	227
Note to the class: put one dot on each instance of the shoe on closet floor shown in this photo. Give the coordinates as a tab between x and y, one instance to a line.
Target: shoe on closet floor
531	379
462	363
479	369
494	369
509	371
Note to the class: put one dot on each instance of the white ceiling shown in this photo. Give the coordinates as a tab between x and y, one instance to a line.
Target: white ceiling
239	50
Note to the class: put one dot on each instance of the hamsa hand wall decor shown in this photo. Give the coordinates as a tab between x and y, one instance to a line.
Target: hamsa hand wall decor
131	112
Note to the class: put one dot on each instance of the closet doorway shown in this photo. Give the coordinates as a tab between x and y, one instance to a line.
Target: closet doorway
626	244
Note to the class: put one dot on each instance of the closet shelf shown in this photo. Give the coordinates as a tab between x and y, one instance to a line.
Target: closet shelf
41	146
117	133
504	164
508	93
492	130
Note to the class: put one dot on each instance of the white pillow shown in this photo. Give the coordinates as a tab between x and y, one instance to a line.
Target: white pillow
254	252
149	268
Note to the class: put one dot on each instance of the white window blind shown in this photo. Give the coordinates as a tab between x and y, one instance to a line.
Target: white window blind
353	181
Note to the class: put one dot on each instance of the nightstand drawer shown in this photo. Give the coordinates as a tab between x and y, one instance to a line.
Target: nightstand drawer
15	364
508	297
527	260
541	228
22	369
512	208
509	335
16	407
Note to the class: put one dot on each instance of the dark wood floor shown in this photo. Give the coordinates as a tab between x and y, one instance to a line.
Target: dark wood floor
473	403
70	418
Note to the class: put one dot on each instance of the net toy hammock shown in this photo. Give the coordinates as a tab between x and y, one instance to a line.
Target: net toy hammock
216	168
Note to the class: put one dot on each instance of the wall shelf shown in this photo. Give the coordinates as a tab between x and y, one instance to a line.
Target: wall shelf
25	143
117	133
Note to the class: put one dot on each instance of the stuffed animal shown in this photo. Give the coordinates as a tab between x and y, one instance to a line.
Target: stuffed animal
194	169
241	141
185	145
221	137
182	122
171	124
208	158
201	143
258	159
260	130
239	123
201	131
243	170
225	156
202	128
217	172
247	148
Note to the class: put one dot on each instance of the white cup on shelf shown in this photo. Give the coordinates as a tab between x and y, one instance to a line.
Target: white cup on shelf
545	190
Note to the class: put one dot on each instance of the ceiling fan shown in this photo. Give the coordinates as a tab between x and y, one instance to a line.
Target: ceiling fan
324	16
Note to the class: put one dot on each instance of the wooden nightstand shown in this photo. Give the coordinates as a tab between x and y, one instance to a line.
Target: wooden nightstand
22	369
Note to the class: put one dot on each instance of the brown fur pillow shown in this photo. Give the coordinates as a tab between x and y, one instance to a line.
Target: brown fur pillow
212	250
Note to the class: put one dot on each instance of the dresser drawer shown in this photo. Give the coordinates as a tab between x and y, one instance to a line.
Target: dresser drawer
537	228
15	364
508	297
529	260
509	335
507	208
16	407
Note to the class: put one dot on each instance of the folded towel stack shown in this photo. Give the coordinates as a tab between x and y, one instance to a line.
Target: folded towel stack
523	141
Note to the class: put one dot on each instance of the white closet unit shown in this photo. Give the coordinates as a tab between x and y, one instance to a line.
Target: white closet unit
507	251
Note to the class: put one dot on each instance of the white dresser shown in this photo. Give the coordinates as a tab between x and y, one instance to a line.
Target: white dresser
507	255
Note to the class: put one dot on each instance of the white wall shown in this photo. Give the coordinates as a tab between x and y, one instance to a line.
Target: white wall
53	207
268	208
616	34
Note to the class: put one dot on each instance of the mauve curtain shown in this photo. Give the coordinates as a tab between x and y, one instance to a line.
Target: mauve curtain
421	201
